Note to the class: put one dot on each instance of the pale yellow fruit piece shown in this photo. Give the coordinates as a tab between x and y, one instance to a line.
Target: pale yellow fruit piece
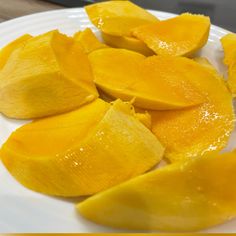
191	132
88	41
81	152
179	36
186	196
49	75
8	49
229	46
118	17
155	82
127	42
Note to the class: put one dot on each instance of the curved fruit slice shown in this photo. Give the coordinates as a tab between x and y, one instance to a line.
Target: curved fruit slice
6	52
81	152
192	132
181	197
229	45
118	17
49	75
127	42
154	82
88	41
179	36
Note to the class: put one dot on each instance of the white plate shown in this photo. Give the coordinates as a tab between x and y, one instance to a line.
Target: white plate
24	211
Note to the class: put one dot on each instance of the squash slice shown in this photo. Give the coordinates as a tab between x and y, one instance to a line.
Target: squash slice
154	82
127	42
81	152
118	17
180	36
49	75
191	132
88	41
187	196
229	46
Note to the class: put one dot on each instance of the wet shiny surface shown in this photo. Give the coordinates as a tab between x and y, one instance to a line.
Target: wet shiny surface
58	215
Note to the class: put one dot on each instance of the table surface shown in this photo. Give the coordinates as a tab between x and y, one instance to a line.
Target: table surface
14	8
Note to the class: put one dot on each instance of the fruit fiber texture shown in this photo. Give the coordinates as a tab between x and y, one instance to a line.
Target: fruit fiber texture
82	152
153	82
88	41
118	17
179	36
186	196
192	132
48	75
229	46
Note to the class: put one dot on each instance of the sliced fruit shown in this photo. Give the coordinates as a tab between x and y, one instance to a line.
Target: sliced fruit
49	75
154	82
181	197
205	128
127	42
118	17
6	52
88	41
229	46
81	152
179	36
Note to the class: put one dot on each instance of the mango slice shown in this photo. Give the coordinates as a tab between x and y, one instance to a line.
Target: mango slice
127	42
192	132
49	75
8	49
154	82
229	46
81	152
118	17
179	36
186	196
88	41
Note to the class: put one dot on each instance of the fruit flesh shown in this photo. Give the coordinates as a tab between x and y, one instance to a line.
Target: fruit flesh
88	41
43	78
127	42
229	46
151	81
192	132
118	17
186	196
179	36
92	148
8	49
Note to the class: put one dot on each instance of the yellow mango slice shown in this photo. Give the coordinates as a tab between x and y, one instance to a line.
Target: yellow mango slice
49	75
229	46
181	197
81	152
8	49
179	36
88	41
118	17
127	42
192	132
153	82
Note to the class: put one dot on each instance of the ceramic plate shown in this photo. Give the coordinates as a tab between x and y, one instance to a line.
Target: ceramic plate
24	211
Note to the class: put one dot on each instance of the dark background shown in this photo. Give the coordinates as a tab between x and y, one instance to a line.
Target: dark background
222	12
